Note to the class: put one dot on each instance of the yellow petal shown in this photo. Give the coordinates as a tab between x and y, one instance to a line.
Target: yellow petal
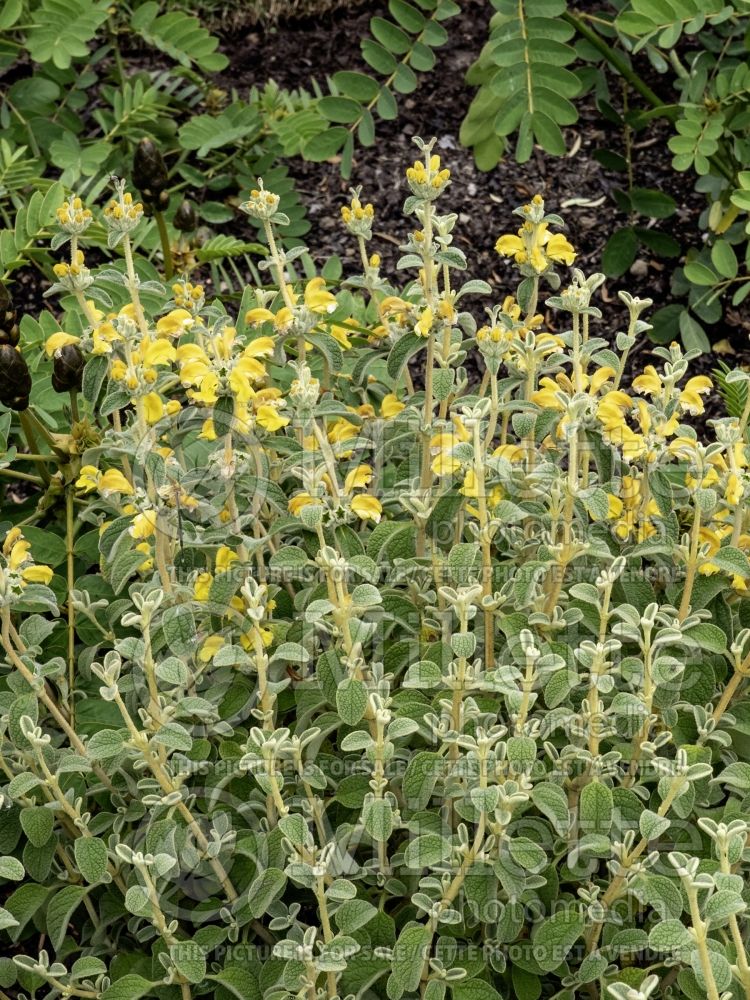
113	481
270	419
58	340
153	407
37	574
210	648
357	478
366	507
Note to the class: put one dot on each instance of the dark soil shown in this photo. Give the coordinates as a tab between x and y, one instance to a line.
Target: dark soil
295	52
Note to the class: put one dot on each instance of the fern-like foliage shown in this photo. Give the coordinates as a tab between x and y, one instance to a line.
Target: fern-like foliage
662	22
732	391
399	48
180	35
524	83
19	244
17	168
62	29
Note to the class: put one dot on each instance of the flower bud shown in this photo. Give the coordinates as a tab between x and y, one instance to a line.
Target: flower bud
67	369
185	218
150	174
8	318
15	379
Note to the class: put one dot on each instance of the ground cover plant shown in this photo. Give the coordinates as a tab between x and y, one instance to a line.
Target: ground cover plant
320	679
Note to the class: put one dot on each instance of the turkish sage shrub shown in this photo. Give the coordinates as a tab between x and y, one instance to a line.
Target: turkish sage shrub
323	675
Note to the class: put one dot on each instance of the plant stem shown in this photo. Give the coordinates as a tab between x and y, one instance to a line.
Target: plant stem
166	247
616	61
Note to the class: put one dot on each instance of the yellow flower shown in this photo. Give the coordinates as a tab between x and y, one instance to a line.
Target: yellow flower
210	648
202	586
174	323
257	316
144	524
18	554
104	335
444	464
629	513
37	574
690	396
156	352
536	246
424	324
366	507
153	407
148	562
357	478
391	406
224	558
19	560
341	430
10	540
734	490
208	432
510	452
113	481
88	478
470	486
58	340
317	299
269	418
296	503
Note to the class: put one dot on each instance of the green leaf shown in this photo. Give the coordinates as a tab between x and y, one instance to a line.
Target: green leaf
325	145
401	351
420	778
351	700
11	869
130	987
178	624
354	914
708	637
236	981
340	109
390	36
60	909
475	989
670	935
37	823
430	849
189	960
554	937
596	808
408	958
91	858
105	743
620	251
693	334
654	204
736	776
552	801
378	819
266	887
358	86
530	856
724	259
732	561
699	274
